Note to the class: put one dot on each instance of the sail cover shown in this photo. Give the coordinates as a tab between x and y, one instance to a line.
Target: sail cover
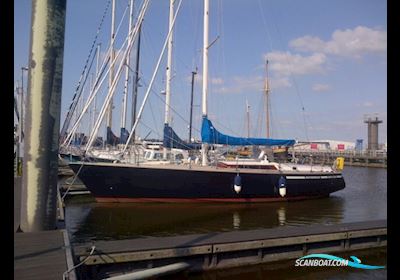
124	136
172	140
212	136
112	139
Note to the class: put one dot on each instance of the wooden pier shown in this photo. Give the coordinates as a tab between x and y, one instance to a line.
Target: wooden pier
228	249
40	255
65	171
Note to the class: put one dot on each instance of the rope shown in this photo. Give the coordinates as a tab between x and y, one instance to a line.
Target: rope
65	274
73	181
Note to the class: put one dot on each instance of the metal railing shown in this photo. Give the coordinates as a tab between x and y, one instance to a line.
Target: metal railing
353	153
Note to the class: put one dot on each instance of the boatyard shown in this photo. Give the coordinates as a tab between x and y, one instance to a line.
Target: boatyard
164	140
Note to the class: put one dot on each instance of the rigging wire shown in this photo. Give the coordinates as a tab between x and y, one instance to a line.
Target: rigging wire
196	50
273	127
120	22
152	78
269	40
74	102
66	141
152	114
183	118
258	128
220	64
170	107
95	91
288	62
221	36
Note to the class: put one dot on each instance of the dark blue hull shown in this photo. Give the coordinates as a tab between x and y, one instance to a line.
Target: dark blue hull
116	182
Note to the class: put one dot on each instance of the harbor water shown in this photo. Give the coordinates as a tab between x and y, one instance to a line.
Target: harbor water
363	199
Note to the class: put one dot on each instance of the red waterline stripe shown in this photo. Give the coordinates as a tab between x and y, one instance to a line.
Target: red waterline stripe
191	200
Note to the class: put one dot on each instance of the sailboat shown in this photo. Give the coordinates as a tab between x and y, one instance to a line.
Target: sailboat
238	181
107	150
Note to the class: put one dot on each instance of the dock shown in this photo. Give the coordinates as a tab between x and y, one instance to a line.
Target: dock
227	249
65	171
66	178
40	255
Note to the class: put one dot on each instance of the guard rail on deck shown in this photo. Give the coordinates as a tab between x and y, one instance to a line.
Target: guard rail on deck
366	153
376	158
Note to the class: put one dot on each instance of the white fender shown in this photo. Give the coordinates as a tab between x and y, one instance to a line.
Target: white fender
282	191
237	188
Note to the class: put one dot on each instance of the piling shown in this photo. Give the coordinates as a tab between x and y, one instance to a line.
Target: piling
40	167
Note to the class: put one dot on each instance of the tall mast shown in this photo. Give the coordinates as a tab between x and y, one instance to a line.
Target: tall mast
114	84
167	119
136	85
112	57
97	73
267	91
125	96
146	95
191	106
204	146
169	66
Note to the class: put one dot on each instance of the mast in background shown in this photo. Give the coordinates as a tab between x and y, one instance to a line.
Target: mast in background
267	91
191	106
97	73
167	119
123	135
111	75
136	85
